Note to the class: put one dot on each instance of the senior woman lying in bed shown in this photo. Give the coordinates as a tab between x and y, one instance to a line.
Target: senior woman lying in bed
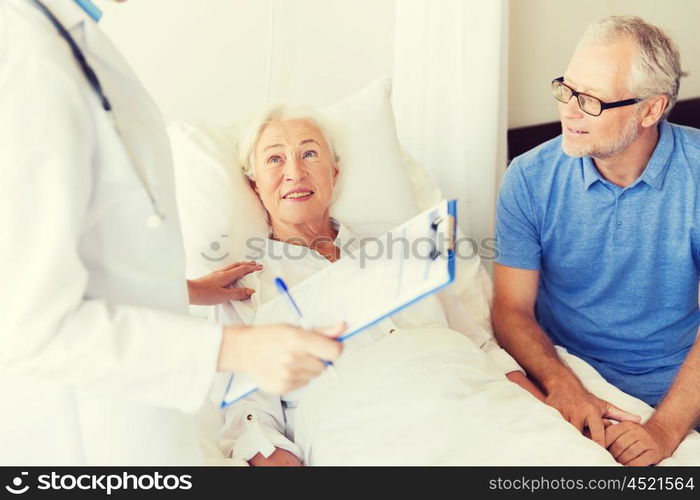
427	386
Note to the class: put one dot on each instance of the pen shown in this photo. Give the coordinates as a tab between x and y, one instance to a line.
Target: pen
282	288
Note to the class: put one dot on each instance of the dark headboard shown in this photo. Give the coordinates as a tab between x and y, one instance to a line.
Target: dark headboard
520	140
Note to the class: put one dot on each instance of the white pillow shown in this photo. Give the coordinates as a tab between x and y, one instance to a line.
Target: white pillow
374	193
218	210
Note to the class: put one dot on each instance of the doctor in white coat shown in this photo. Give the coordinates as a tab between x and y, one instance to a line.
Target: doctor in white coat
98	362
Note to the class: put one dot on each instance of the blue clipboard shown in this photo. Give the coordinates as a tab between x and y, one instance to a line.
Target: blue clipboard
365	293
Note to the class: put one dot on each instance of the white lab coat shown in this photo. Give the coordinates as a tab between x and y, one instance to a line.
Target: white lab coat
98	365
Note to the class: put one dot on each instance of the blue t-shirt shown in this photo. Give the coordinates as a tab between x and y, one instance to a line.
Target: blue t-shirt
618	267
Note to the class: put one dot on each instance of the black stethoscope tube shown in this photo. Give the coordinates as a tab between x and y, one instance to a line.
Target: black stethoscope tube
77	53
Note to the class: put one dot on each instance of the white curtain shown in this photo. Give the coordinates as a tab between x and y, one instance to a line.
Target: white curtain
449	99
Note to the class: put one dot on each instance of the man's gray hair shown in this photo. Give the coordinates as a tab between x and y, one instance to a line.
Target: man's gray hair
250	134
657	68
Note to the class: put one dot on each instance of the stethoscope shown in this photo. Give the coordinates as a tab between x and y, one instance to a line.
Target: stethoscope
157	217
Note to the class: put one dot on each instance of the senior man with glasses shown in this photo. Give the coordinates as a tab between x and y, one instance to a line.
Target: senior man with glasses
598	236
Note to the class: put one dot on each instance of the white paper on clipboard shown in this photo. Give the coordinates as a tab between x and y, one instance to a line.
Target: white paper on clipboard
388	273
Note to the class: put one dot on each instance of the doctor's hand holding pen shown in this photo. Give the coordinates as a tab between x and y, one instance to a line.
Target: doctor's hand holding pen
279	358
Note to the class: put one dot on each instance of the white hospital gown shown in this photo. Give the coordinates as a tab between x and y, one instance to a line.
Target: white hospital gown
415	360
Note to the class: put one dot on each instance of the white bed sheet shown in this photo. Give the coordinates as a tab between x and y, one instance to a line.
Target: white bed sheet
429	396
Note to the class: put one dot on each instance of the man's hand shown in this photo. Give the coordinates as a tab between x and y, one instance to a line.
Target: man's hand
213	288
517	330
279	358
584	410
279	458
635	444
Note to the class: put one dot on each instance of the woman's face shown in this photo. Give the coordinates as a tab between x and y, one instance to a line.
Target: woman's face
294	172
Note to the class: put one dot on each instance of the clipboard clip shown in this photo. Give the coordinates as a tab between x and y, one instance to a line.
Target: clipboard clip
449	234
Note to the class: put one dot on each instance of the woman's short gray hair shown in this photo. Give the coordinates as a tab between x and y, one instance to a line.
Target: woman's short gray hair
657	67
250	134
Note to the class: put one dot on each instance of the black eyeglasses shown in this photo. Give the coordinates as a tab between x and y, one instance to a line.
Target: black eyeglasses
588	104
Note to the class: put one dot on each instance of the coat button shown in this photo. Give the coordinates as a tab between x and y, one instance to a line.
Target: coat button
154	221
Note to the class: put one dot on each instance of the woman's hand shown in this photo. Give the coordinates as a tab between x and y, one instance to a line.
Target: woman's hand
279	458
213	288
632	443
